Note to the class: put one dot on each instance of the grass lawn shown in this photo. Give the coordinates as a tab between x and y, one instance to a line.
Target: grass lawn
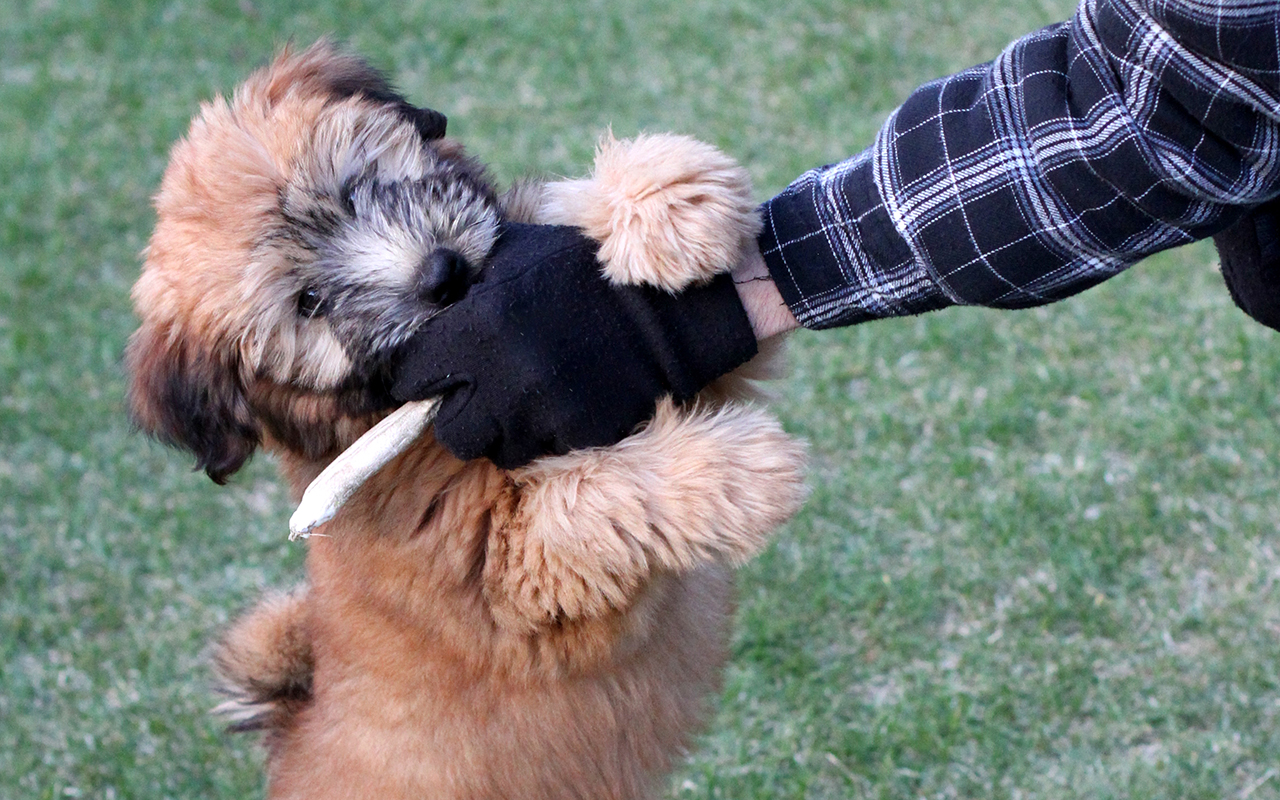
1041	554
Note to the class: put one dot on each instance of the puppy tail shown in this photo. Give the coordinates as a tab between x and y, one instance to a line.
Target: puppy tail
264	663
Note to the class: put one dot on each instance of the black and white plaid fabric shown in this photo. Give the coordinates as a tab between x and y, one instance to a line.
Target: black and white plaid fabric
1136	126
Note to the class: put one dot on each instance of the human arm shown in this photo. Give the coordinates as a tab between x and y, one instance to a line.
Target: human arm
1137	126
1084	147
766	310
1080	150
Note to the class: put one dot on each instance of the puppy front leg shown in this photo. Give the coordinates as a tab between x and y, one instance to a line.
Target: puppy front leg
524	202
588	529
667	210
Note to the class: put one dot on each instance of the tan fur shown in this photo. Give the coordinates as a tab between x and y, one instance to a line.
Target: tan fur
269	652
667	210
552	632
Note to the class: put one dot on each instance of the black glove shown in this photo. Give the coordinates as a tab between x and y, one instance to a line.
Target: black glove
546	356
1250	254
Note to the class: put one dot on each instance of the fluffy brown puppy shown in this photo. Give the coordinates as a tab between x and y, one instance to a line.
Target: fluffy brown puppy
551	632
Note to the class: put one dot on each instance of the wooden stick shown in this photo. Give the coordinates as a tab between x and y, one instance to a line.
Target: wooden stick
355	465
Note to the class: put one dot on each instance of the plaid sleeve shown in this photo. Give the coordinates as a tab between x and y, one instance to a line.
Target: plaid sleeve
1134	127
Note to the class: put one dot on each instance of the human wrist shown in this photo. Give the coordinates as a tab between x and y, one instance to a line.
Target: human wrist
766	310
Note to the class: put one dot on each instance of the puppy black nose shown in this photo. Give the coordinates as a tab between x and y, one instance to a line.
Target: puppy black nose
444	277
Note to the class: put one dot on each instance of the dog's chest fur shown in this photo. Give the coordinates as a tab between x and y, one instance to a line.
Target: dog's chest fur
400	614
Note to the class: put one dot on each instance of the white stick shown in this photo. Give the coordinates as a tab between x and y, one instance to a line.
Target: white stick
370	453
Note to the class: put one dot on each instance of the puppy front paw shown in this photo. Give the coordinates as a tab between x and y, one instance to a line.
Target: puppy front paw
592	527
668	210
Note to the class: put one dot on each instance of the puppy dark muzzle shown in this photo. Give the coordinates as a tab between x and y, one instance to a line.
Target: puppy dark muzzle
444	277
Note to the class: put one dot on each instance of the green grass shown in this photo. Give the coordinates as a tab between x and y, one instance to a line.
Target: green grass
1041	554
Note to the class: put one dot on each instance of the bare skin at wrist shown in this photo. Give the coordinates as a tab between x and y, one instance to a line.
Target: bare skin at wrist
760	297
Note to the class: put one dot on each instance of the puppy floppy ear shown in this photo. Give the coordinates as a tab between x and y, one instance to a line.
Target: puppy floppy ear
429	122
185	398
361	79
342	75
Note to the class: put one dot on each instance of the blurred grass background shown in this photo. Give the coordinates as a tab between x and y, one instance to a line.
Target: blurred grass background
1040	558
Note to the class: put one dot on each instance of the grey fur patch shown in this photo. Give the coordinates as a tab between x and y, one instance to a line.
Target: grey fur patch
367	208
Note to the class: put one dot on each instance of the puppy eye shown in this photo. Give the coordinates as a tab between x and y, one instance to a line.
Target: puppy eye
344	196
310	303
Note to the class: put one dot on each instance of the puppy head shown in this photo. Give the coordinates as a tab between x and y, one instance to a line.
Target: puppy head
304	230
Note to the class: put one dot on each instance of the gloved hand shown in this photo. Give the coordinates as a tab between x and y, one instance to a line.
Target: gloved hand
1250	253
544	355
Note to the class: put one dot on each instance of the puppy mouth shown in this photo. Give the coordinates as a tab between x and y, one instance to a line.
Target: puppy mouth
445	278
374	394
